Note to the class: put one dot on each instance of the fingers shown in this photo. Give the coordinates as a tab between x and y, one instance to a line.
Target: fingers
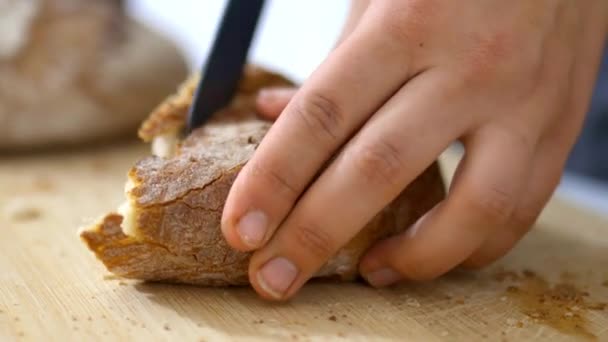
480	201
546	174
270	102
321	117
393	148
357	8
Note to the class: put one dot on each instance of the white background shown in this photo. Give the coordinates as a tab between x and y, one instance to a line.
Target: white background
293	38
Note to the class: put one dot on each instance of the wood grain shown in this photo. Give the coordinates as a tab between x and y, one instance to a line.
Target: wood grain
51	286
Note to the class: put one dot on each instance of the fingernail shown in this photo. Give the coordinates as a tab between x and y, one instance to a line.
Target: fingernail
383	277
276	276
273	94
264	95
252	228
267	95
413	230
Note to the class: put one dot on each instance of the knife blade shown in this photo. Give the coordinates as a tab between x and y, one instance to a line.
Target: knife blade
224	68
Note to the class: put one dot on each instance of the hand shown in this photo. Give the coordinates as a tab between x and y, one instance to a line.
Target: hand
511	80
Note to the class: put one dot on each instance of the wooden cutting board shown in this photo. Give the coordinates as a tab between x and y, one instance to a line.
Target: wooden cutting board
551	287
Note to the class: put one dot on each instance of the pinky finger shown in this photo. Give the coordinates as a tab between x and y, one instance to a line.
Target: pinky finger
544	179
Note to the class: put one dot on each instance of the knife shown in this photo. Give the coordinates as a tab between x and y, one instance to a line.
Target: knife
224	68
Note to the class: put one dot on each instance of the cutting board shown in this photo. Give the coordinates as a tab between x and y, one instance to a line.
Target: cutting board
551	287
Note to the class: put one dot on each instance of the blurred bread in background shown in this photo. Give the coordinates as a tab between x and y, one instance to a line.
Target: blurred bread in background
78	71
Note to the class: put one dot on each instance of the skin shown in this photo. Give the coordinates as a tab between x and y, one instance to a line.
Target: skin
510	80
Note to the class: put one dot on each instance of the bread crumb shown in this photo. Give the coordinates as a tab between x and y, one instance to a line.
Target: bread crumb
506	275
605	283
520	324
43	185
529	274
19	210
333	318
597	306
503	299
412	302
511	321
512	289
167	327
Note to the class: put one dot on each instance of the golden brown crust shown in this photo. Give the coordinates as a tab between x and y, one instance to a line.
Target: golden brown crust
177	202
170	116
184	243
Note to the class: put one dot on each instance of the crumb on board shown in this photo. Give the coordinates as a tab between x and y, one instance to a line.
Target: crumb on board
528	273
412	302
42	184
19	210
504	275
512	289
597	306
333	318
561	306
605	283
167	327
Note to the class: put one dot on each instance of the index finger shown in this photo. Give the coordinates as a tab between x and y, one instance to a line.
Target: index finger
357	77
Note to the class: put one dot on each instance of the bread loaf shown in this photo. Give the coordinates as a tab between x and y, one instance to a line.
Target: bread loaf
75	71
169	228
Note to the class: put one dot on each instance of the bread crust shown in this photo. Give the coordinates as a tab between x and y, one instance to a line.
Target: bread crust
176	203
79	71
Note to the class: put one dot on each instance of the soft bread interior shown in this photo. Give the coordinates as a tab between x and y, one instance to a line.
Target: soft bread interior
165	146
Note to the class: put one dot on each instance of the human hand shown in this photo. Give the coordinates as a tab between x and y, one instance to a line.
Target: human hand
511	80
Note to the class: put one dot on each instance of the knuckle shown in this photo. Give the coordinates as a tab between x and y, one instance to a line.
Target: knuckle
378	163
321	115
417	268
405	22
493	204
314	241
489	53
498	55
523	219
277	181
